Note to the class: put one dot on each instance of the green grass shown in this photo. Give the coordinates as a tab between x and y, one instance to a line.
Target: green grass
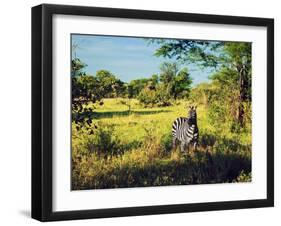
132	149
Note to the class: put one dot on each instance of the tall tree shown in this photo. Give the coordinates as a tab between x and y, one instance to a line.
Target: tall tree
85	91
229	56
240	60
182	84
177	81
110	85
77	67
136	86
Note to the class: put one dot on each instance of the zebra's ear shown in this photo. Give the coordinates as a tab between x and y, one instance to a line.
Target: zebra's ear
195	107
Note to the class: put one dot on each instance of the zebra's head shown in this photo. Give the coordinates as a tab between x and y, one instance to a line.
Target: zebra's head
192	114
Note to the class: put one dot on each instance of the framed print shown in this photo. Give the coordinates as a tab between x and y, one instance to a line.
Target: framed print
140	112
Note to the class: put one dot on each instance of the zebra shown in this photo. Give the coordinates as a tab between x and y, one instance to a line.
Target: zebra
185	130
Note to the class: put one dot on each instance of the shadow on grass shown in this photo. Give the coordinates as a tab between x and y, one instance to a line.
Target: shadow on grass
110	114
106	149
221	144
197	168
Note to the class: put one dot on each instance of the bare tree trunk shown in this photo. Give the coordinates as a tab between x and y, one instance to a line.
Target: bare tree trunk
243	86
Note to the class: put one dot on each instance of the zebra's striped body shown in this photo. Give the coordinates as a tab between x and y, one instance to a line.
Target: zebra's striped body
185	130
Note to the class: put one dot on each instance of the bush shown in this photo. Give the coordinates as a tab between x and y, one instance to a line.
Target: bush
166	142
103	142
158	96
147	97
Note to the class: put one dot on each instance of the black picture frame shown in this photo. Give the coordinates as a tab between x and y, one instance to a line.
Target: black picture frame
42	111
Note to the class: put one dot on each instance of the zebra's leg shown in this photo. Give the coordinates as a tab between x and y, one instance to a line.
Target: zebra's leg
195	145
182	146
188	147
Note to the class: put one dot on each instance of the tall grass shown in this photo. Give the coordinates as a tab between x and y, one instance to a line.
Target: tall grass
132	149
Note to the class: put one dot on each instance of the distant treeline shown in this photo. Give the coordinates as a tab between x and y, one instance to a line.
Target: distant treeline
160	89
171	83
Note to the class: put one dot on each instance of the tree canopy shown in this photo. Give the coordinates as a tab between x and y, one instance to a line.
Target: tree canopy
232	61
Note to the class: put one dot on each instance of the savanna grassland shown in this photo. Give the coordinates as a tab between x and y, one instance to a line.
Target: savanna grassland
131	147
121	127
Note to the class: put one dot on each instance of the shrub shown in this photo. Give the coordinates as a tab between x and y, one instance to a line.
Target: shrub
147	97
103	142
158	96
162	95
166	141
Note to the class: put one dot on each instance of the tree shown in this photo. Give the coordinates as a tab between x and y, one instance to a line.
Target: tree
168	72
158	96
85	90
119	89
107	82
77	66
163	96
177	81
189	51
137	85
233	57
147	97
182	84
154	79
203	93
239	59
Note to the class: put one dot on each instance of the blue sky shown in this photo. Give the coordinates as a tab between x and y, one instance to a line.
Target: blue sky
127	58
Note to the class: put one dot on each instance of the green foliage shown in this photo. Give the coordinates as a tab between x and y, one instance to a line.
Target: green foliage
147	97
85	90
172	84
154	80
203	93
232	61
103	142
168	72
177	81
191	51
163	96
239	59
110	85
159	96
182	84
137	85
76	67
88	89
166	142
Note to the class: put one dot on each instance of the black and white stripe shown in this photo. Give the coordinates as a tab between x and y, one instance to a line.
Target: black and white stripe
185	130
